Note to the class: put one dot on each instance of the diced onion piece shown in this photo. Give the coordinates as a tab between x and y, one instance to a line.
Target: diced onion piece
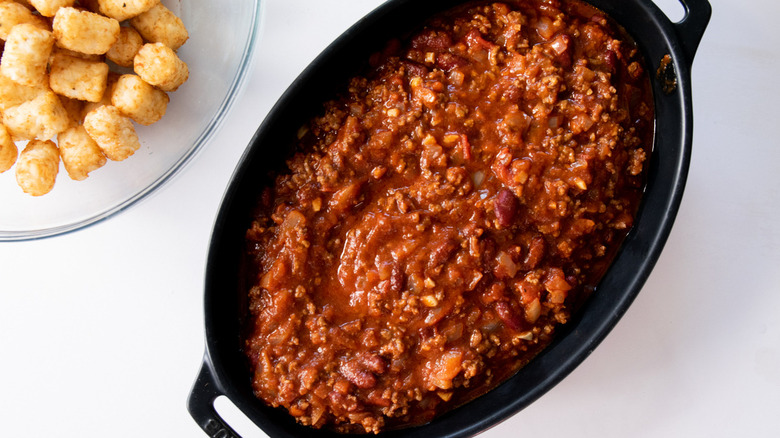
478	177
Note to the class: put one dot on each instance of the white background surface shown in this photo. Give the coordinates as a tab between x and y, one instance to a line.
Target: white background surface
101	330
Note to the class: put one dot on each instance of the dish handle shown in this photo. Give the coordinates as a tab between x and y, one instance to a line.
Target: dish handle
691	28
201	404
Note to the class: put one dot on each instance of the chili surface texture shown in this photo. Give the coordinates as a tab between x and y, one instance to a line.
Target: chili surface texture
446	214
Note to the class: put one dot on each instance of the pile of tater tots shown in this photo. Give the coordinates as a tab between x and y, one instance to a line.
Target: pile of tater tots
75	76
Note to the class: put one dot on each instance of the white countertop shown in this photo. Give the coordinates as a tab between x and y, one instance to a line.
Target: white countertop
101	330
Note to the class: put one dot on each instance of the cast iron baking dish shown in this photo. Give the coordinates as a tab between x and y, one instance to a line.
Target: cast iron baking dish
224	370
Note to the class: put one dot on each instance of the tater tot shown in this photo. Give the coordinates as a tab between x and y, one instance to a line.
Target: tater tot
26	55
158	65
48	8
8	150
84	31
126	46
123	9
160	25
12	94
138	100
106	100
12	13
78	78
112	131
41	118
79	152
37	167
74	108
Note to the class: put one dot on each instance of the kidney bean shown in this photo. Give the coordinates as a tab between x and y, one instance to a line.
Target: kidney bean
354	372
505	207
415	69
441	253
448	61
508	315
373	362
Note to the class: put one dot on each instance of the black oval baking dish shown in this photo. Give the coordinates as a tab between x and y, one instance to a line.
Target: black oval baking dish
668	49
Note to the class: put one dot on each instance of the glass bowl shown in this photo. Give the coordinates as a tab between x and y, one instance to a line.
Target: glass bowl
222	40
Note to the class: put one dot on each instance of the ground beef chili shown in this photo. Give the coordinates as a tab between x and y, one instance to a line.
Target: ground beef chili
445	215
